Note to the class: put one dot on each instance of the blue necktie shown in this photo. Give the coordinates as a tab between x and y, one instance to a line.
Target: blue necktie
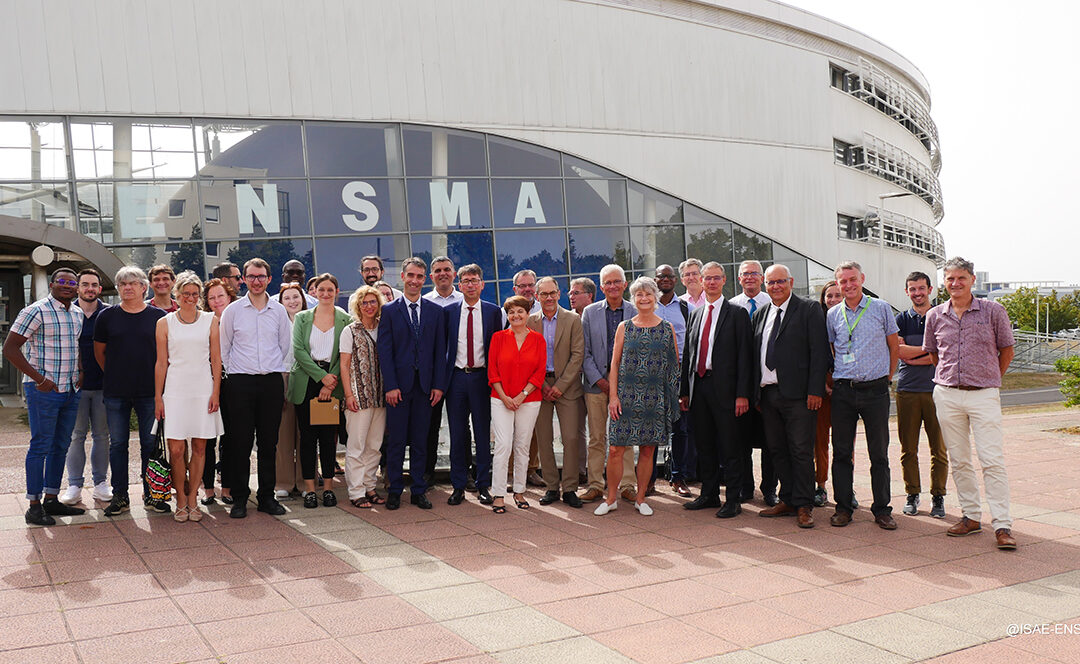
753	307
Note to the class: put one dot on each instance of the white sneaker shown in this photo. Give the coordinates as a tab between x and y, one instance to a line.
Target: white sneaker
71	495
103	492
604	508
281	494
644	509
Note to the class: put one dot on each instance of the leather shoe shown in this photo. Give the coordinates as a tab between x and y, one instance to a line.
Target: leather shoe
805	518
53	507
393	501
964	526
680	488
780	509
485	496
534	479
885	521
456	497
592	495
571	499
770	498
272	507
36	516
730	509
470	485
239	510
1005	540
701	502
840	519
420	500
629	495
549	497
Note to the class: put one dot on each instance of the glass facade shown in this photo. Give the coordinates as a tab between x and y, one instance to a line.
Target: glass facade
195	192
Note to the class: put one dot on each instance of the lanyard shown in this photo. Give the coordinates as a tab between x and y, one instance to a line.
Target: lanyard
851	328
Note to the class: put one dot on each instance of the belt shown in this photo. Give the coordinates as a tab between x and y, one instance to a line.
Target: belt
967	388
324	365
864	385
549	374
470	369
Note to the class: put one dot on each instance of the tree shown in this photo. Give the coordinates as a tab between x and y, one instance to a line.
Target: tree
274	252
1070	387
1064	311
190	256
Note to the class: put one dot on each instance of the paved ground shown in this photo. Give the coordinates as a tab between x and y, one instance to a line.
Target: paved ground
554	584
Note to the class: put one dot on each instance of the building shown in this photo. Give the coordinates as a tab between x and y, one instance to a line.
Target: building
559	135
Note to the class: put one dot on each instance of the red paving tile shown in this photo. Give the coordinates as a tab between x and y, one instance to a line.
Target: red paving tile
19	601
232	603
499	565
598	613
84	569
217	577
754	582
301	567
681	597
824	607
653	642
749	624
98	547
60	653
373	614
271	630
20	554
546	586
448	548
193	558
157	646
23	576
328	651
258	550
417	644
331	589
33	629
94	622
113	590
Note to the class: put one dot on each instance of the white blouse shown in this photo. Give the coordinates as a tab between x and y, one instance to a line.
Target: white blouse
321	344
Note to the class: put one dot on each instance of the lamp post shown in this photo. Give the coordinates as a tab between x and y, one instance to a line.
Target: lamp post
881	227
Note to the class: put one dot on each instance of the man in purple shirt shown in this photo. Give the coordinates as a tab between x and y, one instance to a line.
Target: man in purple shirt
971	343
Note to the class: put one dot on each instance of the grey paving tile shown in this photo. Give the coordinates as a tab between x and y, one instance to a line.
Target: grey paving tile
576	649
382	557
1060	519
418	576
353	539
970	614
1040	600
737	657
908	635
460	601
825	648
1068	582
509	629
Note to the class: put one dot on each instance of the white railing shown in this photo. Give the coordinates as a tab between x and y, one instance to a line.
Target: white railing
892	164
903	233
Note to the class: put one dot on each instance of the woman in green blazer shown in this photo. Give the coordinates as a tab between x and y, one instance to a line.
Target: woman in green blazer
316	373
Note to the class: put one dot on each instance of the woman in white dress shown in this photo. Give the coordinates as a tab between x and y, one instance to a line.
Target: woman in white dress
187	388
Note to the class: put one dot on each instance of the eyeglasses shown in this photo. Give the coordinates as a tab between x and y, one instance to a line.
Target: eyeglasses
777	282
670	277
750	274
548	294
257	278
714	278
469	281
370	270
369	303
65	282
618	282
190	296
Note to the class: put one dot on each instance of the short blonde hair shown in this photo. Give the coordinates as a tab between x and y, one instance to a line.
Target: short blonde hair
358	295
185	278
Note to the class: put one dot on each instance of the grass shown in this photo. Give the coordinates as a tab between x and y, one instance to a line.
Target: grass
1022	380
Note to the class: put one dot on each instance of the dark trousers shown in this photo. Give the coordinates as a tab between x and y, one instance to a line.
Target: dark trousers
751	429
683	453
870	401
434	426
468	396
255	403
118	412
790	434
715	439
210	466
408	424
320	438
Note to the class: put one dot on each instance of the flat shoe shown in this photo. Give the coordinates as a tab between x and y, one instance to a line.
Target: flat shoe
181	514
604	508
644	509
195	514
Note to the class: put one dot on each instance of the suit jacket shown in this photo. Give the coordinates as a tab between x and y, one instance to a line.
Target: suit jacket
802	354
732	353
303	366
594	326
569	350
490	322
398	355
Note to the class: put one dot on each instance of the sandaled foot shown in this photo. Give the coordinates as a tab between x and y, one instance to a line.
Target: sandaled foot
363	502
375	498
499	509
521	503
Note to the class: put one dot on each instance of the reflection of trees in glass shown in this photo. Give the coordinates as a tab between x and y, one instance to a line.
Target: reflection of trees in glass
145	256
657	245
542	263
274	252
466	248
709	243
190	256
751	246
591	263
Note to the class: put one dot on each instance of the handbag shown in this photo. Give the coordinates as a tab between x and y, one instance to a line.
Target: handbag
324	412
158	472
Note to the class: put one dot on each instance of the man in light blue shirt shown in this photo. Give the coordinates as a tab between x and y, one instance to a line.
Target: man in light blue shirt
256	336
677	312
866	348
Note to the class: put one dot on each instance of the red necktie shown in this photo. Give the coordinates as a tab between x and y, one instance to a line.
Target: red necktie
469	339
703	351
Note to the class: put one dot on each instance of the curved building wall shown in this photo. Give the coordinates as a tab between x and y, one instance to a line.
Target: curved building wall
729	106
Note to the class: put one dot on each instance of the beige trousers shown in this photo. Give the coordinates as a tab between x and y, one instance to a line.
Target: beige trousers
569	429
288	449
597	407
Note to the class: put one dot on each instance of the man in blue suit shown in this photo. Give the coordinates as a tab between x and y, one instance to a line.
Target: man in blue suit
470	323
412	355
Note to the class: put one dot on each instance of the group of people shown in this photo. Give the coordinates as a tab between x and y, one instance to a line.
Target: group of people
292	375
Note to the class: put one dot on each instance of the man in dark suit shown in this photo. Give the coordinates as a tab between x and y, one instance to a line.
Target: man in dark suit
716	387
412	356
469	326
792	359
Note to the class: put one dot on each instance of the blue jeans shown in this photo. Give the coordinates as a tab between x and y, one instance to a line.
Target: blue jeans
52	417
91	418
118	413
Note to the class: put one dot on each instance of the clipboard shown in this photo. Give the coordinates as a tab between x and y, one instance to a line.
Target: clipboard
325	412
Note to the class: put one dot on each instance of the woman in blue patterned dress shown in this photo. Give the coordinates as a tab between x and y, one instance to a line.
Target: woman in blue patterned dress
644	382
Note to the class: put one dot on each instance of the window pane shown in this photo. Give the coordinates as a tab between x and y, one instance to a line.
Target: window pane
49	202
249	150
574	167
32	150
709	243
360	206
522	203
596	202
340	256
434	151
657	245
255	208
439	204
517	159
506	289
124	211
542	251
650	207
353	150
179	256
749	245
593	248
461	248
133	149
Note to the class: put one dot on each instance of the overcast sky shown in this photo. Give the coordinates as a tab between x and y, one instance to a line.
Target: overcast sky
1005	95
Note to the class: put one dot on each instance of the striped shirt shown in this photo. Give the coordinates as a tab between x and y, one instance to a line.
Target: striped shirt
52	334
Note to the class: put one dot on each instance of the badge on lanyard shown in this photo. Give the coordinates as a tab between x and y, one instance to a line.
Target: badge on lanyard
849	357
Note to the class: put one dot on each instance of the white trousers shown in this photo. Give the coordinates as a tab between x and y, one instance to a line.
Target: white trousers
513	431
967	414
362	453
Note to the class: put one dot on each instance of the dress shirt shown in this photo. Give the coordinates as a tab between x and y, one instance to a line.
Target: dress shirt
454	296
913	377
762	299
694	302
52	334
549	326
321	344
712	327
768	376
255	341
461	358
967	348
868	343
409	309
672	313
612	317
514	367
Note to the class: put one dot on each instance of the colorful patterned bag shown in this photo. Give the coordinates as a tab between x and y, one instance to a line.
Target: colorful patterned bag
158	472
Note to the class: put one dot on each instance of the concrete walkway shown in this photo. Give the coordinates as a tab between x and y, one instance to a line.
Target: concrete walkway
554	584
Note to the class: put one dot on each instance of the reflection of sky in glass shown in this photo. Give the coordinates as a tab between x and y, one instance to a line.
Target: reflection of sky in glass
543	251
16	160
340	256
505	194
461	248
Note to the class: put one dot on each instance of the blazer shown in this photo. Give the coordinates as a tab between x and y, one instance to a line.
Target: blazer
400	359
594	326
569	350
732	354
802	350
303	366
490	322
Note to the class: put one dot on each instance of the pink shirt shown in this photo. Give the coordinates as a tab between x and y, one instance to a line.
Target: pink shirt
694	302
967	348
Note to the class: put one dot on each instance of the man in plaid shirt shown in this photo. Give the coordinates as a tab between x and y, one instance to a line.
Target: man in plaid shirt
54	375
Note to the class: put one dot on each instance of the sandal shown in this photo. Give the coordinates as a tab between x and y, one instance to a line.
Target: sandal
362	502
194	514
521	504
499	509
375	498
181	514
